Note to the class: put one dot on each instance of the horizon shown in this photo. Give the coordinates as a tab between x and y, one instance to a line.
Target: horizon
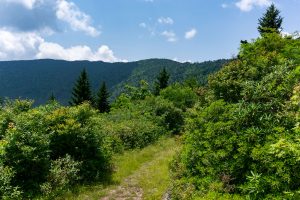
147	59
132	30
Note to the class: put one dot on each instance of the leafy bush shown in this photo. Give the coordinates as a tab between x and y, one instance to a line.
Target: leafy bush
43	143
133	124
75	131
182	97
246	140
63	173
7	191
171	118
26	150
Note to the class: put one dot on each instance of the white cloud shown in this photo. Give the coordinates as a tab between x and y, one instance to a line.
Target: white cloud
30	45
56	51
78	20
190	34
165	20
294	35
170	35
27	3
247	5
18	46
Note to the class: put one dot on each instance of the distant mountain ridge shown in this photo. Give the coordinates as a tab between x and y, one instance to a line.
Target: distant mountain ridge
37	79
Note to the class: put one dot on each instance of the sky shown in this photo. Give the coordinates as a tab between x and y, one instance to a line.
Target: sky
130	30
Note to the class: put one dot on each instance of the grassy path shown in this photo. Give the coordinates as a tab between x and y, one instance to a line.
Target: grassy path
139	174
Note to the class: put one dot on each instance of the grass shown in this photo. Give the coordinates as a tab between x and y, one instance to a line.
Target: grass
145	168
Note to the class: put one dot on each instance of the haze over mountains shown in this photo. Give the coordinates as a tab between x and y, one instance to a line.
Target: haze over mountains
38	79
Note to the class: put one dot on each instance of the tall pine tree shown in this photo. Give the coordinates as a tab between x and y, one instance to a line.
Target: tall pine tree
271	21
162	81
102	102
81	91
51	98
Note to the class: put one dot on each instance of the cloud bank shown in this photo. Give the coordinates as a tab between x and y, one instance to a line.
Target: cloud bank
25	23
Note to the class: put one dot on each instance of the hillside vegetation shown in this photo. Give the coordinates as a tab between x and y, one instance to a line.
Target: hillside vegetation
242	140
48	149
39	79
239	134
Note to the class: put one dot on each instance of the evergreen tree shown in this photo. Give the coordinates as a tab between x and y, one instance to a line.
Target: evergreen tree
271	21
102	99
51	98
162	81
81	91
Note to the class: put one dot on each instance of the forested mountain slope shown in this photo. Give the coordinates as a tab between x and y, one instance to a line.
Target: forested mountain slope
38	79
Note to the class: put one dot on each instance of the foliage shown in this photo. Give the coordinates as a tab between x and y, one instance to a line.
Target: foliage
39	145
149	69
138	93
257	60
133	123
271	21
51	98
63	173
37	79
7	191
162	81
182	97
245	140
102	99
81	90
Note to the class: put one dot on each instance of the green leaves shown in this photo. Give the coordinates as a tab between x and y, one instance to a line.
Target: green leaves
249	130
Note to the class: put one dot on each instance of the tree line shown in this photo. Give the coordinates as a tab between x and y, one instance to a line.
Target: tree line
82	91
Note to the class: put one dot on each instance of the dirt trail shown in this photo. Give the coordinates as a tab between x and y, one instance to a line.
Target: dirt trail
150	181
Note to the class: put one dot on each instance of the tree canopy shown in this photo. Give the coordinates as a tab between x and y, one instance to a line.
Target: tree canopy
162	81
81	91
271	21
102	102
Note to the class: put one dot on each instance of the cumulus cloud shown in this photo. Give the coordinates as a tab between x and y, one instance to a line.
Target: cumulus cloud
15	45
248	5
170	35
25	23
190	34
78	20
56	51
30	45
165	20
36	15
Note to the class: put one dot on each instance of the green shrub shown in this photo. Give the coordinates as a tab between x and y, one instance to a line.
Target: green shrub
63	173
75	131
134	133
26	150
7	191
246	140
38	145
171	118
182	97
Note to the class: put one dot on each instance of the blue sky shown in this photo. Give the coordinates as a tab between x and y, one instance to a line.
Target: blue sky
129	30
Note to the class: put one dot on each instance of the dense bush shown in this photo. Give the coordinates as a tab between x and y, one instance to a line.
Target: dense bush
246	139
35	142
63	173
182	97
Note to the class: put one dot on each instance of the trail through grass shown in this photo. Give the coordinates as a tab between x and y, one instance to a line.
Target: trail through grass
139	174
